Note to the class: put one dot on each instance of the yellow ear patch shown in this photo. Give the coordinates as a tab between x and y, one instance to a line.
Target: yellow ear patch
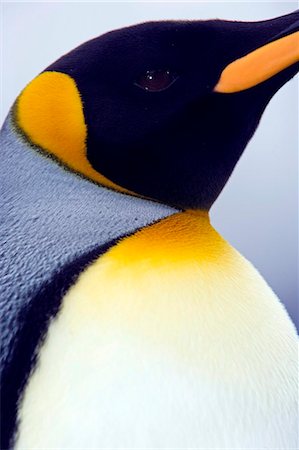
50	113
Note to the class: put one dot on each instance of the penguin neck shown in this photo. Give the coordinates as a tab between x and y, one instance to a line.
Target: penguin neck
184	236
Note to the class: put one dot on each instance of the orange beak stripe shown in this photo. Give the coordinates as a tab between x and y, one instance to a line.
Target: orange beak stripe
259	65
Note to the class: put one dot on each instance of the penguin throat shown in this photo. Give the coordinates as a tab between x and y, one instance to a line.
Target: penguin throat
183	237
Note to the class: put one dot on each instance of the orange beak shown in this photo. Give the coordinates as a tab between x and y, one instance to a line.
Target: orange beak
259	65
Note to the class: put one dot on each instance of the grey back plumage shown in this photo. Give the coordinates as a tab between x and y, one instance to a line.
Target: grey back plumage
49	216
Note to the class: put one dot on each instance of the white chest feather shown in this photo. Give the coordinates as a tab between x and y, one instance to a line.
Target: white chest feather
189	349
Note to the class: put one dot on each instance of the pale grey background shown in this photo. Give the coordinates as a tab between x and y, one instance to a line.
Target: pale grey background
258	209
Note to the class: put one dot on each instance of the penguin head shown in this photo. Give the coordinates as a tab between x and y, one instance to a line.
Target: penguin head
162	110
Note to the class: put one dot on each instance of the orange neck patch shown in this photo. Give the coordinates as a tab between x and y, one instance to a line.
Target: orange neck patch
183	237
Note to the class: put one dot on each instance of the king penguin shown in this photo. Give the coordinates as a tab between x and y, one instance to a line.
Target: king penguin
127	320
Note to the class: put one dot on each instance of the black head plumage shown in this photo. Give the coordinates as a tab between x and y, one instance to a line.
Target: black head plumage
155	124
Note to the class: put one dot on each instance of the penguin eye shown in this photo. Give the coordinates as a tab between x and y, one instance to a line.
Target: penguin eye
156	80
